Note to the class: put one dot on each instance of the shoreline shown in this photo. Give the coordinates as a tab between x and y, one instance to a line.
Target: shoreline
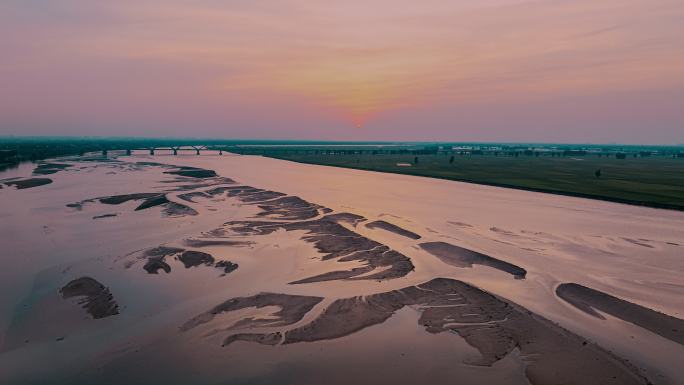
655	205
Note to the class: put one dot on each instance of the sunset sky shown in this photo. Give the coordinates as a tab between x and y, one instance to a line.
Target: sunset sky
489	70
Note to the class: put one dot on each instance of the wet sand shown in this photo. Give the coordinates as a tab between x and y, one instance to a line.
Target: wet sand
241	269
493	326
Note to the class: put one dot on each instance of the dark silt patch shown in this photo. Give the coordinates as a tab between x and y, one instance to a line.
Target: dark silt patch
156	200
638	242
211	193
193	172
261	196
49	168
503	231
193	184
589	300
460	224
461	257
194	242
154	264
163	251
171	209
227	266
189	197
193	258
335	241
77	205
21	184
153	164
352	219
335	275
274	204
289	208
292	309
105	216
260	338
119	199
218	191
393	229
493	326
97	300
155	260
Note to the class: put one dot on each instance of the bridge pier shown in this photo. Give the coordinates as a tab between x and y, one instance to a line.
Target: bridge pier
198	151
151	151
128	152
220	152
104	152
175	151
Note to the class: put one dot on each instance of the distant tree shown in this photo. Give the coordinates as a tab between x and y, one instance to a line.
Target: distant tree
415	160
451	160
597	173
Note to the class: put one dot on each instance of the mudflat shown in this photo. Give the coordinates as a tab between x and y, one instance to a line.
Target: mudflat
242	269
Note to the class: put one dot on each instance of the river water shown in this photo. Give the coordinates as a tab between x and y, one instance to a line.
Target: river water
634	253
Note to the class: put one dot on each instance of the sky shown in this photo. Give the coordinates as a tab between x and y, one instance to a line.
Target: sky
581	71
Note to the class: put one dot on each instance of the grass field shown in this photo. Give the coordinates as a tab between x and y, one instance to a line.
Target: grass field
650	181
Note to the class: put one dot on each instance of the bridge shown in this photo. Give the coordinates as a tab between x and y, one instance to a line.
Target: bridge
197	149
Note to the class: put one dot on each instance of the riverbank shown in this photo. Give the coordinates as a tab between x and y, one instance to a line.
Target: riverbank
650	182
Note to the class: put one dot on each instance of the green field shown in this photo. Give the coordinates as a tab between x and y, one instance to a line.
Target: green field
649	181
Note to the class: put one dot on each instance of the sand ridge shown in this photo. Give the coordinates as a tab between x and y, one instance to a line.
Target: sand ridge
462	257
587	299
